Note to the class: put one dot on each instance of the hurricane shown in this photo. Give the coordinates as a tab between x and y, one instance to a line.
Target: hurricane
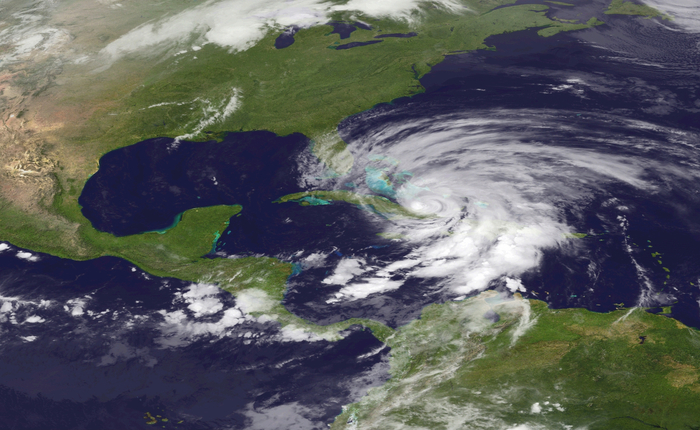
494	190
356	214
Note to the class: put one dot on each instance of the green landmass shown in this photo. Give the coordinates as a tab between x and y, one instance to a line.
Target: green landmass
537	368
558	3
568	25
175	249
377	204
305	88
622	7
179	251
451	368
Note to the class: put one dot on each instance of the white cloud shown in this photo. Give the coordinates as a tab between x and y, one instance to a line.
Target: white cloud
202	299
35	319
213	112
28	37
239	24
206	306
376	279
396	266
361	290
313	260
76	307
497	194
290	416
346	269
484	411
395	8
686	13
24	255
4	246
254	300
514	285
199	290
7	306
178	330
11	304
535	408
292	333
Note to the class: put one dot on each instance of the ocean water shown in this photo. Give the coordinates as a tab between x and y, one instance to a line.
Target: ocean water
98	344
143	187
564	168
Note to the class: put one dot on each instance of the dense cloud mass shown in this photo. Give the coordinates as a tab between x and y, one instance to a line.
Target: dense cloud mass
685	13
498	187
238	24
199	312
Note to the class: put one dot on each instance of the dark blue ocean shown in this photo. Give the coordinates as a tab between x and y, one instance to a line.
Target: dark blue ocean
99	344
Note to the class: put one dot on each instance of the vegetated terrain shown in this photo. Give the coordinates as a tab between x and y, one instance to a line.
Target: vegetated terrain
308	87
539	367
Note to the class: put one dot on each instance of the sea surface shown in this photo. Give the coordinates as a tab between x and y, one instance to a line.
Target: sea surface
564	168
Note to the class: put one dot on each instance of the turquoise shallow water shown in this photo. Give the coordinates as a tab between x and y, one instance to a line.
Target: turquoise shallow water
108	316
177	220
378	181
